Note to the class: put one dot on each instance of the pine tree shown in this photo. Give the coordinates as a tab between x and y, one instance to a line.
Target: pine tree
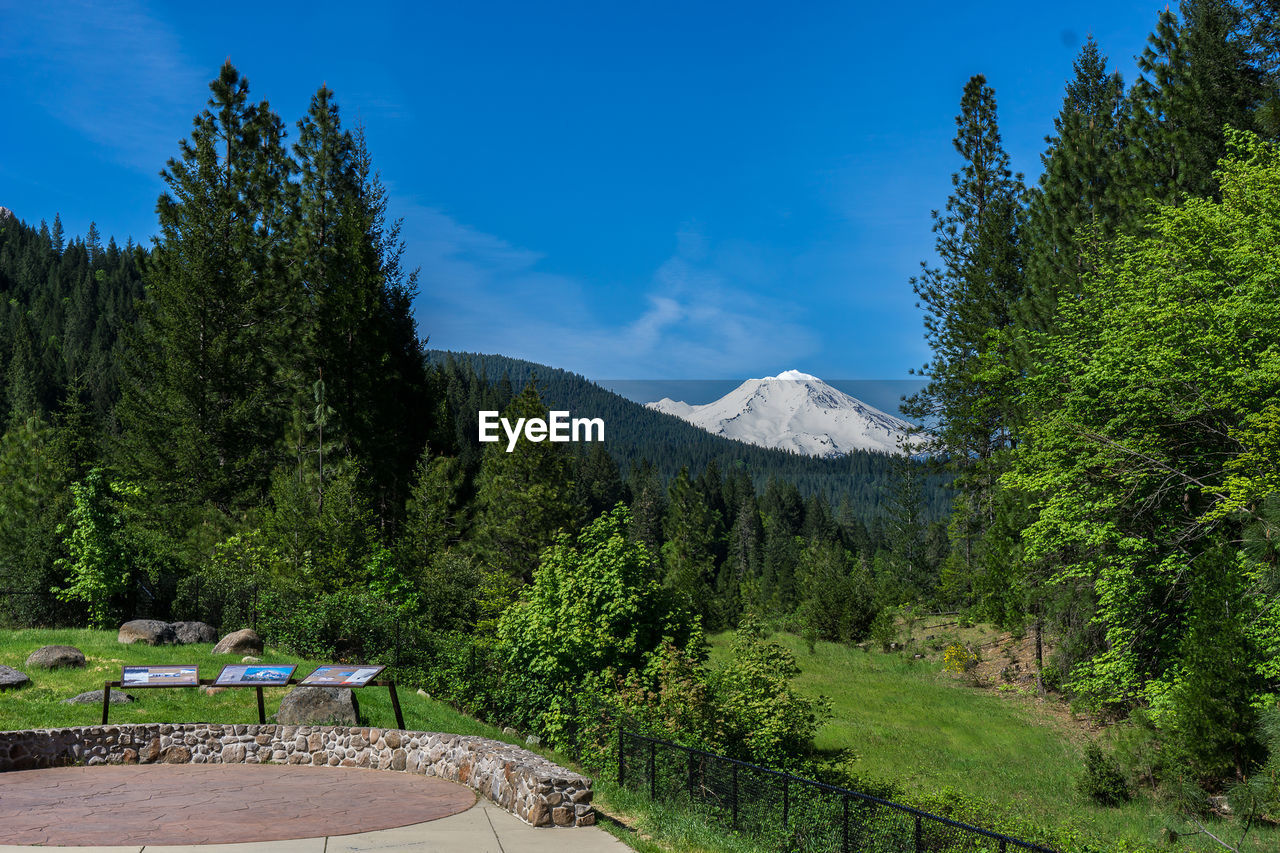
969	298
688	552
970	302
739	577
597	483
359	326
56	237
203	409
1077	206
522	497
23	380
1197	77
1262	18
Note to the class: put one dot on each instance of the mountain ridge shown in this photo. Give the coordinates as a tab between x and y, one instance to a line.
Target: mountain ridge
633	433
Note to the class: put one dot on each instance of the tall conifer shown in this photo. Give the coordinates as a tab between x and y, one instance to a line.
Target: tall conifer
204	408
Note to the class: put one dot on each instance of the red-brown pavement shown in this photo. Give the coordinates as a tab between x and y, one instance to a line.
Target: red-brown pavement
214	803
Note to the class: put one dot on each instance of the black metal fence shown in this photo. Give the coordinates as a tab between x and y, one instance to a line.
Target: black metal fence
790	813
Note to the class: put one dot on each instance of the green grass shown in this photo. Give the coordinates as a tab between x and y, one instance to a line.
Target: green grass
40	705
909	722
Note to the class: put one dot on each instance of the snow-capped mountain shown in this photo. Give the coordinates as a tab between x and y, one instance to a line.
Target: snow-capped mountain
794	411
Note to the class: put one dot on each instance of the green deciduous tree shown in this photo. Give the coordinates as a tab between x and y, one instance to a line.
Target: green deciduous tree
101	563
1141	451
596	612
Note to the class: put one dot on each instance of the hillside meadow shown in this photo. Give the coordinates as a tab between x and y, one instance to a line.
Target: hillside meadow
946	742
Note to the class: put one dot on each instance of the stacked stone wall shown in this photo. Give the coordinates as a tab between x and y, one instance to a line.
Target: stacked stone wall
522	782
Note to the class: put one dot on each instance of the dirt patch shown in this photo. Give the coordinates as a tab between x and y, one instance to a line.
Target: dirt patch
1005	666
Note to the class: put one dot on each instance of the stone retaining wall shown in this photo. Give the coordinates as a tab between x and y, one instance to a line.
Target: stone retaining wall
524	783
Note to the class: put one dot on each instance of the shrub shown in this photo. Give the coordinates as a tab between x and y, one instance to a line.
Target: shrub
884	628
1102	780
957	658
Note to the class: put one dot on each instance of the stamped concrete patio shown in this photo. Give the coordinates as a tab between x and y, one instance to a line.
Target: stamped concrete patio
274	809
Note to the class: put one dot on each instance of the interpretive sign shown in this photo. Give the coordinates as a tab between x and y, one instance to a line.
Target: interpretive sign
254	675
341	676
160	676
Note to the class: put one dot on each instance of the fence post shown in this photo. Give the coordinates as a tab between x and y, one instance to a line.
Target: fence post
735	796
653	782
844	821
786	800
1002	845
919	836
622	758
689	781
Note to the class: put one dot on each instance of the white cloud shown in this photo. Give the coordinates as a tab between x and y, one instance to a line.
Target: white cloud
479	293
108	70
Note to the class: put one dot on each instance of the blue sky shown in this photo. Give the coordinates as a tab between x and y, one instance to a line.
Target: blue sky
631	191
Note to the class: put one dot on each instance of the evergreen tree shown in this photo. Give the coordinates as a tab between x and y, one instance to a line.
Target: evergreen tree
739	577
1197	77
969	298
597	483
648	507
1262	18
1077	206
204	409
688	552
34	501
56	237
359	327
522	497
970	302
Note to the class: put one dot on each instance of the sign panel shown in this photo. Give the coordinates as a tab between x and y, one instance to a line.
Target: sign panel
160	676
254	675
342	676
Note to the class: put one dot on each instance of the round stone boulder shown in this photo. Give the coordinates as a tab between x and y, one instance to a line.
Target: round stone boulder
94	697
245	642
194	632
10	677
153	632
56	657
315	705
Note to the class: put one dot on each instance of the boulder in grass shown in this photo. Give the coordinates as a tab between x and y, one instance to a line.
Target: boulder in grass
153	632
94	697
10	677
308	705
194	632
244	642
56	657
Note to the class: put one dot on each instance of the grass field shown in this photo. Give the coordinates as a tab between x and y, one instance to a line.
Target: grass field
910	722
40	705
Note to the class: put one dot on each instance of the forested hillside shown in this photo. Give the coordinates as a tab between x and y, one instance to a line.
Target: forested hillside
861	483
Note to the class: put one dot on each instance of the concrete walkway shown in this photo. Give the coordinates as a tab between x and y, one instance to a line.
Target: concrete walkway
485	828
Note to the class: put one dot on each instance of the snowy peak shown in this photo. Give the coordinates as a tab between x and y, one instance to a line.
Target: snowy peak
792	375
795	411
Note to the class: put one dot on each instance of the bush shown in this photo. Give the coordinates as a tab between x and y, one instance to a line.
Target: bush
1102	782
957	658
884	628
